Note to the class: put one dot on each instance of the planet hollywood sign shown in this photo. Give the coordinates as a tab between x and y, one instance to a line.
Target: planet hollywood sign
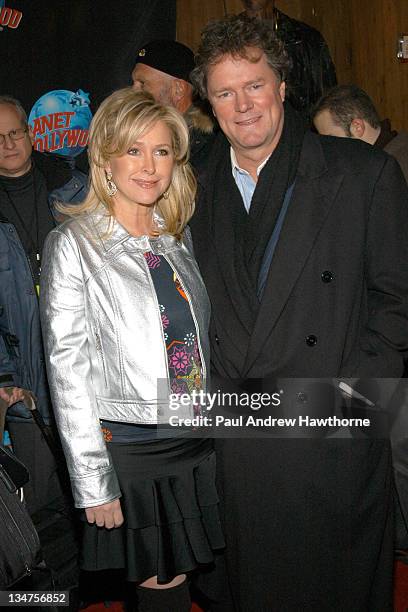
9	17
54	132
59	122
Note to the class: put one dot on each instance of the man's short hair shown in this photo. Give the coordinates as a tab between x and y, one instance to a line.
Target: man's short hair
5	99
345	103
234	35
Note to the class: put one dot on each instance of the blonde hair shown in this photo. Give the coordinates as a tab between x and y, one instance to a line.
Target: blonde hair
118	123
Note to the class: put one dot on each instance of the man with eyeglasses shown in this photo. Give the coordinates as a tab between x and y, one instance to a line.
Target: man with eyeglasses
29	184
27	179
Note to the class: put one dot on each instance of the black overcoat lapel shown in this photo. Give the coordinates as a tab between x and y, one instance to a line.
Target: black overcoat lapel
313	195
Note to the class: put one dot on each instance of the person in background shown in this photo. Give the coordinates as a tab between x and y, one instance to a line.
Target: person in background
302	243
312	71
163	69
125	312
28	181
348	112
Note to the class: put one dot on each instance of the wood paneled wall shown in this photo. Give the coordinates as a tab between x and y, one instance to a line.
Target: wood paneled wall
361	34
374	64
193	15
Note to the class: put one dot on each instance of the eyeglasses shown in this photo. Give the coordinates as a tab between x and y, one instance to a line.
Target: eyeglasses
14	135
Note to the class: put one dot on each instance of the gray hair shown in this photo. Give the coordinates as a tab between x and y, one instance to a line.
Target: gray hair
4	99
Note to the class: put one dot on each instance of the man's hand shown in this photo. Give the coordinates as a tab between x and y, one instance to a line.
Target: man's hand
11	395
106	515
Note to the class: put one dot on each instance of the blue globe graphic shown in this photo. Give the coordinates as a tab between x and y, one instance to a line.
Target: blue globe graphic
74	116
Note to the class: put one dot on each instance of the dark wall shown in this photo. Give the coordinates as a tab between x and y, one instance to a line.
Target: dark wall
78	44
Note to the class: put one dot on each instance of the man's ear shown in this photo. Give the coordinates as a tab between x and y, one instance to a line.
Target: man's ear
179	88
181	94
31	134
282	90
357	128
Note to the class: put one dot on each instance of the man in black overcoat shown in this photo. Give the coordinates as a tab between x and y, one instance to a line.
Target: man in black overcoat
302	243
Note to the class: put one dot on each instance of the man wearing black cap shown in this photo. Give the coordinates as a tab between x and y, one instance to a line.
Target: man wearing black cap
163	69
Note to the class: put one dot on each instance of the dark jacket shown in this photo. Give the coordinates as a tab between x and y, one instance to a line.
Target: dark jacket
312	71
202	134
398	148
335	304
348	217
21	351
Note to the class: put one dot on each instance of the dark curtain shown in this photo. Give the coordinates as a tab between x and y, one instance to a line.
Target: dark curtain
77	44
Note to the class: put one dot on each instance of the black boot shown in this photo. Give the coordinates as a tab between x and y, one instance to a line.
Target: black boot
175	599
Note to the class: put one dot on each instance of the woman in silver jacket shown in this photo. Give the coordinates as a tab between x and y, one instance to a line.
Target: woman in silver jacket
125	317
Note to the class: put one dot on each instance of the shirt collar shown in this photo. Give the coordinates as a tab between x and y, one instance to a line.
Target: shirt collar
235	166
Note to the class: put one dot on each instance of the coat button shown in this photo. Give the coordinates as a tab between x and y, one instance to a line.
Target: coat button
217	340
311	340
327	276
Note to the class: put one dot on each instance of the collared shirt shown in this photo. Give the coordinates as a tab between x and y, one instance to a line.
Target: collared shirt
244	180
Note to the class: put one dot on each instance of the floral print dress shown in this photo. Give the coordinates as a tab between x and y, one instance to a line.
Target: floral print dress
180	337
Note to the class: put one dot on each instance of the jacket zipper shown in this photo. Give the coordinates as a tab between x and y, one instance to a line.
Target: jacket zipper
20	550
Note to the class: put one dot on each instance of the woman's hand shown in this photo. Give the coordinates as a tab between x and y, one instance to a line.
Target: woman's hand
106	515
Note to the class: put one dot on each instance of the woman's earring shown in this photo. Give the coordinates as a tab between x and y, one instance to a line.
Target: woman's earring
166	195
111	187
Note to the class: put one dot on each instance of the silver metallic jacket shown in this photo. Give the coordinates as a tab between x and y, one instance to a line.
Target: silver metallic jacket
103	336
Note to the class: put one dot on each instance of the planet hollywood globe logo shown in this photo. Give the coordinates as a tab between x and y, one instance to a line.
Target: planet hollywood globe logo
60	122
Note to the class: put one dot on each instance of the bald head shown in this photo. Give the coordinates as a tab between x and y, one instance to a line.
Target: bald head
347	111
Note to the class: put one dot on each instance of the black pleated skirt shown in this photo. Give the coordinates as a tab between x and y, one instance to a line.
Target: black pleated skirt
170	506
